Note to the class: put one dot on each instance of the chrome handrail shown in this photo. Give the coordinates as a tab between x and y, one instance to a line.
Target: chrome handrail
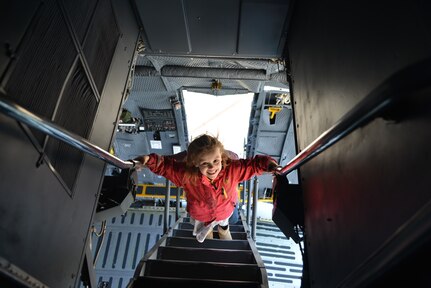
24	116
392	91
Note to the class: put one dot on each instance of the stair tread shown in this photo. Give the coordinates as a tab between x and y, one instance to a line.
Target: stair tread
215	250
189	234
208	243
202	270
189	226
198	263
206	255
160	282
187	220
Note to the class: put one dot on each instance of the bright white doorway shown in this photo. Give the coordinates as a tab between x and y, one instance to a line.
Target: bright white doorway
226	117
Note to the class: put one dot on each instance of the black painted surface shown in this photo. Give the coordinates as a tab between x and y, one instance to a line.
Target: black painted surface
359	193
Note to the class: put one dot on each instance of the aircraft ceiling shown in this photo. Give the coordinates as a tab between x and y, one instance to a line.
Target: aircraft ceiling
193	45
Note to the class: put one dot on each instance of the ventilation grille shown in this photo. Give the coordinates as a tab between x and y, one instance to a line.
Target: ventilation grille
75	113
44	59
51	80
80	13
101	43
78	104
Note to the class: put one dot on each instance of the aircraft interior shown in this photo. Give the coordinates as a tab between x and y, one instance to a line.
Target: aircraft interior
340	99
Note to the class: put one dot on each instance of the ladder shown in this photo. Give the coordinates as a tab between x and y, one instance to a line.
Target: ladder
179	260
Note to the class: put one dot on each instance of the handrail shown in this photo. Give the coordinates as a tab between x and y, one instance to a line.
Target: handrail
23	115
392	91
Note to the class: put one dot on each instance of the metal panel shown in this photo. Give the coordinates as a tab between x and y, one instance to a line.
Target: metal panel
34	232
30	83
164	25
153	100
263	30
361	192
44	229
148	84
80	16
281	120
289	152
100	45
12	33
215	62
270	143
228	86
282	256
128	238
249	28
209	35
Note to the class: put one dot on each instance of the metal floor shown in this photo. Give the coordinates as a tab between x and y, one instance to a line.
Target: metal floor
129	237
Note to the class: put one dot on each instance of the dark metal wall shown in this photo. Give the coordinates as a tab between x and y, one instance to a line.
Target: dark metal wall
360	194
67	62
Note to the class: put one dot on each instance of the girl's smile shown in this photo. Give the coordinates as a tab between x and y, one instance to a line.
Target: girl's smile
210	163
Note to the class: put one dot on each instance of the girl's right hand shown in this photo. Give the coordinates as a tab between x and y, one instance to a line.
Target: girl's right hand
139	162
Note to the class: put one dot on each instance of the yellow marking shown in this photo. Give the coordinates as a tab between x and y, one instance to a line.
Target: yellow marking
274	110
144	194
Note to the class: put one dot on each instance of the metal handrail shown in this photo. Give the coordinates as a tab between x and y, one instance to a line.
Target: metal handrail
23	115
392	91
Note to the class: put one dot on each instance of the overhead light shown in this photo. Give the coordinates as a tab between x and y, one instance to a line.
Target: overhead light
277	89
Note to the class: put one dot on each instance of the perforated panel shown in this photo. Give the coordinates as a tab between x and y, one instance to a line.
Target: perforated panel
100	44
43	63
128	238
75	113
282	257
160	61
227	84
148	84
12	34
80	15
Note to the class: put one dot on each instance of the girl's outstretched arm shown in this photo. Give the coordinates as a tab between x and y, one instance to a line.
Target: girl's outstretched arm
140	162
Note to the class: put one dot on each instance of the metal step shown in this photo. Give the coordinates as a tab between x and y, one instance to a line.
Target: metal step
170	282
179	260
189	226
208	243
202	270
206	255
187	220
189	233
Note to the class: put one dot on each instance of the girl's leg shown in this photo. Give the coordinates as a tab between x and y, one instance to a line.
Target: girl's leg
202	231
209	235
224	233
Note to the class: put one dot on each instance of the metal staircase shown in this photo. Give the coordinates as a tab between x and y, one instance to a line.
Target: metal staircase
178	259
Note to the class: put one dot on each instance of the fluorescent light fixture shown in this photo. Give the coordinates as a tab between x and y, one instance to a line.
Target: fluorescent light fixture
278	89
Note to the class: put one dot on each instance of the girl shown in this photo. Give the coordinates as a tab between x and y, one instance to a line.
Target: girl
210	179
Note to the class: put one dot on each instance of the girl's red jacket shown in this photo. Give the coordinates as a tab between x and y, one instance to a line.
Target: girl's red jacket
207	201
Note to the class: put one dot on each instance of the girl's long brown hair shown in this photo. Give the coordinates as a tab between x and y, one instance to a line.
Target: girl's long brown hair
199	146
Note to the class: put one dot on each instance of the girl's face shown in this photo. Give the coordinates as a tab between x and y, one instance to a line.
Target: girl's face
210	164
